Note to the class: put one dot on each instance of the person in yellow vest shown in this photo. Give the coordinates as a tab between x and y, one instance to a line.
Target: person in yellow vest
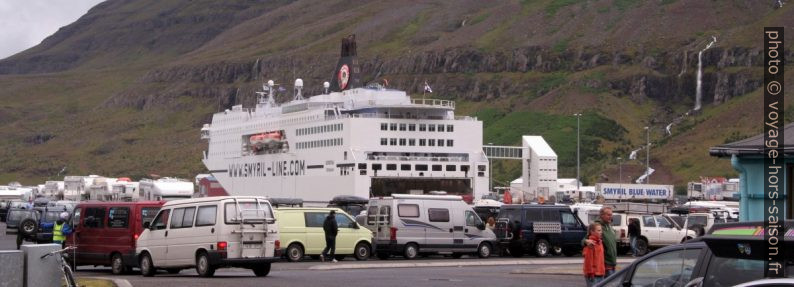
60	229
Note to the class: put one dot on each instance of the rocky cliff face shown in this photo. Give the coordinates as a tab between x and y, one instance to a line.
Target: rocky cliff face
728	72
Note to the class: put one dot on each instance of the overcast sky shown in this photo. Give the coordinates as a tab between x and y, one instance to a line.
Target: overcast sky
24	23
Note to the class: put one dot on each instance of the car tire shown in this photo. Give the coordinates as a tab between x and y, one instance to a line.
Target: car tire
362	251
556	250
117	265
411	251
542	248
642	246
382	255
484	250
295	253
28	228
203	266
262	270
146	265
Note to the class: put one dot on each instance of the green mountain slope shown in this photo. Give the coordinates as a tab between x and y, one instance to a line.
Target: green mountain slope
124	90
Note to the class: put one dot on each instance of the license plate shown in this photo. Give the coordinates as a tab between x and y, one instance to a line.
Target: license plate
252	246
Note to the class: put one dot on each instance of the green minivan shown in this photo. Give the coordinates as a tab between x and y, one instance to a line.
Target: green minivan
301	234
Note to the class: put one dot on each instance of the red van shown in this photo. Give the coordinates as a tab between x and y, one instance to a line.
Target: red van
105	232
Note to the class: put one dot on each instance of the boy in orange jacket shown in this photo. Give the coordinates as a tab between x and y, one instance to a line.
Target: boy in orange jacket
594	268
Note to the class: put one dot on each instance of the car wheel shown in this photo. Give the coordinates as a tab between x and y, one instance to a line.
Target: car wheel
294	252
542	248
147	268
484	251
117	264
642	246
203	267
411	251
262	270
383	255
362	251
28	228
556	250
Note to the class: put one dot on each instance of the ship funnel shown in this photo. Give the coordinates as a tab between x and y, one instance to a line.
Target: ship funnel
346	73
298	89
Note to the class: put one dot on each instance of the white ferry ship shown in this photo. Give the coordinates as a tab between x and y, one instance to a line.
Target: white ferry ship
364	141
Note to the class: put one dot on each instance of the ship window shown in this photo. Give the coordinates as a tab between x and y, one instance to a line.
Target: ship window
450	142
392	141
405	167
376	166
384	126
440	128
402	127
431	128
391	166
481	167
362	166
402	142
464	168
422	142
384	141
411	127
451	167
393	127
440	142
421	167
431	142
437	167
450	128
422	127
411	142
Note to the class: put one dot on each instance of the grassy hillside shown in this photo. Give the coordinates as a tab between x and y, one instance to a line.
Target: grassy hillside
124	90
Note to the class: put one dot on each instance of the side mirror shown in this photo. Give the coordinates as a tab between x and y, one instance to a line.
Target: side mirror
146	225
481	226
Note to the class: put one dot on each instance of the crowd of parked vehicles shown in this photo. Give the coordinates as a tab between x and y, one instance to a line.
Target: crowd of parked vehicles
249	232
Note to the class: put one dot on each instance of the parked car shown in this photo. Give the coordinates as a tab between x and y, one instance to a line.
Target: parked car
698	222
410	225
6	206
540	229
105	233
656	230
301	233
210	233
724	257
22	220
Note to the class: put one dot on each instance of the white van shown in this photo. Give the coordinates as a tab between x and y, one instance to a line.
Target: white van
210	233
410	225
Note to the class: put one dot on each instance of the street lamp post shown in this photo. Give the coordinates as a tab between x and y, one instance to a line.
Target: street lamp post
490	172
647	155
620	170
577	157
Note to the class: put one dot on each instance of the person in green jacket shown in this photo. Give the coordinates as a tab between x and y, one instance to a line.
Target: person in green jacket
608	239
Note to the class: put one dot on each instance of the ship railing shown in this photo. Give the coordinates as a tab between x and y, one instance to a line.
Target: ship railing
397	116
417	158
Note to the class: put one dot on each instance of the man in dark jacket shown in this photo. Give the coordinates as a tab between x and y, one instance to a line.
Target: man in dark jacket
331	228
634	234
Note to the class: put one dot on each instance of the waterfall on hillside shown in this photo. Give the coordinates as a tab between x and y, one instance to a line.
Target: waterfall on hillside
699	92
645	175
633	154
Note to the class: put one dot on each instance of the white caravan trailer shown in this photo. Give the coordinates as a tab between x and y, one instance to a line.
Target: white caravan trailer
101	189
53	189
125	191
166	188
408	225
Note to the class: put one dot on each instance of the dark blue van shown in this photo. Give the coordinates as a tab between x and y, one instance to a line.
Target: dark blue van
539	229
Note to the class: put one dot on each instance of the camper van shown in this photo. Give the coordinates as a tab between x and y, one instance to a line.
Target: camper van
410	225
166	188
209	233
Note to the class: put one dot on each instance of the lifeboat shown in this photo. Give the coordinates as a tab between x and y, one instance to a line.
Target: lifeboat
263	140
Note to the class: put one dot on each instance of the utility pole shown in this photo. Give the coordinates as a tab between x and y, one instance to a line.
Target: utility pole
620	170
578	190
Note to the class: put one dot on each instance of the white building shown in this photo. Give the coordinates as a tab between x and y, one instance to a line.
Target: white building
539	169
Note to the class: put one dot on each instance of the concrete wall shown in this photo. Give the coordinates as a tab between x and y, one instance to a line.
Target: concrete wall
12	270
41	272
